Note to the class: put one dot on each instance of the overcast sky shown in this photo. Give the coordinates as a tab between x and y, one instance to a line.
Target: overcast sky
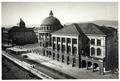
35	13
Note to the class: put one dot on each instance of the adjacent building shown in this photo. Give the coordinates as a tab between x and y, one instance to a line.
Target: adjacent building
19	35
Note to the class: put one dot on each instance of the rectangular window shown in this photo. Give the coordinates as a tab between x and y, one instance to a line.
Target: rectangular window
75	41
58	39
68	40
54	46
54	39
93	41
63	39
58	48
98	42
63	48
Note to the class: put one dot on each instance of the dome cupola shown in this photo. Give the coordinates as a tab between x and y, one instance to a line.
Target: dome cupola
51	20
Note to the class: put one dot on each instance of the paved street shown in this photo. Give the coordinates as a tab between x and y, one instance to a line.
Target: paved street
41	62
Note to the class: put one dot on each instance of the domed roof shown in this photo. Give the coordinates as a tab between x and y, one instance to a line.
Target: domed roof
50	20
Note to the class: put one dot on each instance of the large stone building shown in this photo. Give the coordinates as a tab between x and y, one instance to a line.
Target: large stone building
49	25
79	45
19	35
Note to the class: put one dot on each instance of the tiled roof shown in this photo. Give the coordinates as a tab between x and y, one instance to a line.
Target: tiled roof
71	29
84	28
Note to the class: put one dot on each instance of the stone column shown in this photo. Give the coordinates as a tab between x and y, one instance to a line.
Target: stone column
95	51
61	44
71	46
52	42
65	45
77	48
93	67
101	70
56	44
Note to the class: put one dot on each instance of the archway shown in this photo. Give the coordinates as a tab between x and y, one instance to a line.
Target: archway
74	61
83	63
89	65
95	67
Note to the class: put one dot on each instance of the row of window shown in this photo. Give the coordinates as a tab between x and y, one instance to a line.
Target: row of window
63	40
93	51
98	42
68	58
49	28
42	35
74	49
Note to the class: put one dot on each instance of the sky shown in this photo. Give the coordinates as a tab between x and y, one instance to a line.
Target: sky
67	12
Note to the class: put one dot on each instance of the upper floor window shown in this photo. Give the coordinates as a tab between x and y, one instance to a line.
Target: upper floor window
68	40
99	52
54	39
75	41
58	39
98	42
93	41
92	51
63	39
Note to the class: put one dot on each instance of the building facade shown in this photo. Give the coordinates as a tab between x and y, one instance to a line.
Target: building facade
84	45
19	35
49	25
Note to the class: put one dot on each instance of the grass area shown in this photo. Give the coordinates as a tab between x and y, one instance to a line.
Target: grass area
11	70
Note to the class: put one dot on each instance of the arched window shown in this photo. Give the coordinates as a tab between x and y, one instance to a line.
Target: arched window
98	51
92	51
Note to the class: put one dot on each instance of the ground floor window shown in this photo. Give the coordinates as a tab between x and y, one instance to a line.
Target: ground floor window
74	51
62	58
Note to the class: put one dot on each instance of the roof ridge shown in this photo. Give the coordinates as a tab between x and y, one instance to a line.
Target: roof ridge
99	28
78	29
